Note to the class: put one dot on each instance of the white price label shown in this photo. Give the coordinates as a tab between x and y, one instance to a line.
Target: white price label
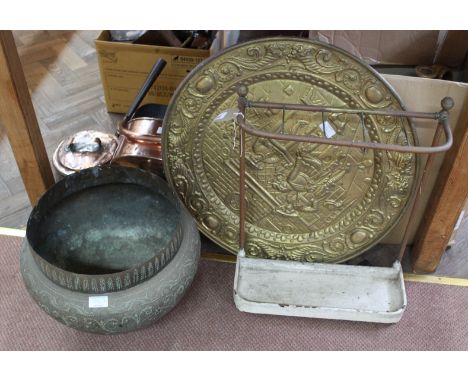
98	301
226	115
327	129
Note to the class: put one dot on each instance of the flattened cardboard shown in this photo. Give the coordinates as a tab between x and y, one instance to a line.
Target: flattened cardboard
385	47
454	49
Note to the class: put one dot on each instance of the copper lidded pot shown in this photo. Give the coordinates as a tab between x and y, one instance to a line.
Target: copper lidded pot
83	150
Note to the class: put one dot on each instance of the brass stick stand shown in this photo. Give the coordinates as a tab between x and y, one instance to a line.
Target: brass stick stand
248	292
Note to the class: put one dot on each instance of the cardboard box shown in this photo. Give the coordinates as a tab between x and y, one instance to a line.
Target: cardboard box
125	66
422	94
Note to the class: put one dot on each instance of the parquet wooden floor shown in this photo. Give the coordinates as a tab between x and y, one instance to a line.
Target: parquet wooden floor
63	75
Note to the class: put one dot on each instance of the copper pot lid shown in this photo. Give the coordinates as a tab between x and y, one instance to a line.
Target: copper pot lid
83	150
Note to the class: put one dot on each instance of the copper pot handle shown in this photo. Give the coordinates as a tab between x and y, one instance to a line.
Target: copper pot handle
145	138
152	76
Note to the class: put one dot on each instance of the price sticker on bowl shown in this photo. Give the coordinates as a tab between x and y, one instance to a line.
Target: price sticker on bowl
98	301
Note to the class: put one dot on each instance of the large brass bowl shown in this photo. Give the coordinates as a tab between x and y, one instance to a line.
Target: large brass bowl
105	229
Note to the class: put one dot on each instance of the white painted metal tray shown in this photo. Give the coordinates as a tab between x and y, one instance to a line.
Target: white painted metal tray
331	291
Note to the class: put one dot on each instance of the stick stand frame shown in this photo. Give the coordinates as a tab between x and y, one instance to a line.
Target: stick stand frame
333	291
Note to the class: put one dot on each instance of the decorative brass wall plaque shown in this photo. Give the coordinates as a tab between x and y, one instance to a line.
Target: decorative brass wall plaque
306	202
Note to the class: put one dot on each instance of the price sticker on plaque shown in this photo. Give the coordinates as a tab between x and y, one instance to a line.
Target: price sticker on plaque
227	115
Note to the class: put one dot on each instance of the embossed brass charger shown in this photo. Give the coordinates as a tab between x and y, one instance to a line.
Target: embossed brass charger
306	202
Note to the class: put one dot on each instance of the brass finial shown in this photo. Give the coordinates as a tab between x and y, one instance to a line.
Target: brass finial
242	90
447	103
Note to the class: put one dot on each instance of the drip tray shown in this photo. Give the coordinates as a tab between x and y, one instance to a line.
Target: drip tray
331	291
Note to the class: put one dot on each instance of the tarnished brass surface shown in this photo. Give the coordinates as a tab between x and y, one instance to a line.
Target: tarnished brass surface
306	202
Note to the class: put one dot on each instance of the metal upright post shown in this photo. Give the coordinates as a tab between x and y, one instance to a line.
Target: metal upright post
242	92
447	104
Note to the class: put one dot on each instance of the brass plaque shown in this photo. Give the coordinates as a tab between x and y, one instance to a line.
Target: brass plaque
305	202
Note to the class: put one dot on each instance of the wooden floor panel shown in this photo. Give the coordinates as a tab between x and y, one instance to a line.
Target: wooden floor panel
63	77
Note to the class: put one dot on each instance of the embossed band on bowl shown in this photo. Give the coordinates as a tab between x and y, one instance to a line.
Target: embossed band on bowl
105	229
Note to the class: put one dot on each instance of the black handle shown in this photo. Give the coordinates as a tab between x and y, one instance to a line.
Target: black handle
155	72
